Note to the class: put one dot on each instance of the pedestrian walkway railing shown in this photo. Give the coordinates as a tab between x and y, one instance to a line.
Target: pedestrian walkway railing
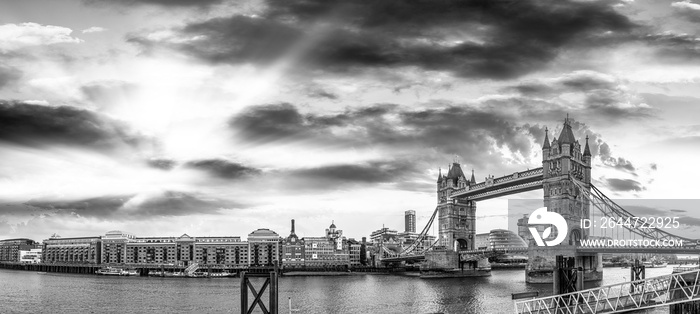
634	295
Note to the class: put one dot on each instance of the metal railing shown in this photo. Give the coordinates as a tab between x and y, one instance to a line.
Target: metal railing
622	297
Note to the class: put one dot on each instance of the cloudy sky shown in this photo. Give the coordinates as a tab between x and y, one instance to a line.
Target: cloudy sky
215	117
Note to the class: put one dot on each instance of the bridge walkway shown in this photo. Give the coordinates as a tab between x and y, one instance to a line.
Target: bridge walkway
618	298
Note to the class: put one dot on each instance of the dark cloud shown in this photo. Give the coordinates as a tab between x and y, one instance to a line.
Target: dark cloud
222	168
580	81
496	39
678	210
169	203
8	75
320	93
624	185
161	163
474	133
604	96
37	125
164	3
461	130
372	172
673	47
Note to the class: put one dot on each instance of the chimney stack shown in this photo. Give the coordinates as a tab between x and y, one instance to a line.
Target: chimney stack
292	225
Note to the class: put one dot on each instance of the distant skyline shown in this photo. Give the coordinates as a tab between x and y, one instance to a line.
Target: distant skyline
215	117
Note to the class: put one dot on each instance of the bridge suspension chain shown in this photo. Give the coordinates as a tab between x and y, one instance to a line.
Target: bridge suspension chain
611	209
421	236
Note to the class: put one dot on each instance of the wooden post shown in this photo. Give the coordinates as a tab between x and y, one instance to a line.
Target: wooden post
244	293
273	292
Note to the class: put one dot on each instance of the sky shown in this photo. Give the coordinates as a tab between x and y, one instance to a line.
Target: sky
216	117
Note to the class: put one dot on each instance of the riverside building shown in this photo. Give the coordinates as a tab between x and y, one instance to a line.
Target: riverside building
80	250
10	248
263	248
293	250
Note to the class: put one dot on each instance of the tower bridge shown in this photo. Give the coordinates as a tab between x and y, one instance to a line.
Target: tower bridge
565	179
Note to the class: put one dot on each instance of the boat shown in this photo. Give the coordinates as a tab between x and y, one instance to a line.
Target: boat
222	274
174	274
130	272
197	275
114	271
109	271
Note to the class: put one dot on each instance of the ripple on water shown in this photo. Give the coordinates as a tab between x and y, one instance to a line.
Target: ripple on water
31	292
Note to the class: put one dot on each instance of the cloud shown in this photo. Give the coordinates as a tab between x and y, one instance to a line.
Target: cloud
109	93
321	94
601	95
619	163
478	134
163	3
9	75
687	10
689	221
330	176
674	47
645	211
120	207
496	40
452	129
14	36
624	185
223	169
38	125
161	163
93	29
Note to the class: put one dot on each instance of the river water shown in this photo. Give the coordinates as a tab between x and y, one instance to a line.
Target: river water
32	292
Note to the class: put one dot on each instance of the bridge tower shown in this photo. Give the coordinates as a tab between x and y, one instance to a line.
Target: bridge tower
562	161
456	217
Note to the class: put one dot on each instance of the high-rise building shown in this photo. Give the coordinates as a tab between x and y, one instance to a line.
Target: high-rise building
410	220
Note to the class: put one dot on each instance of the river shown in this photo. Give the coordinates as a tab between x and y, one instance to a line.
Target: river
32	292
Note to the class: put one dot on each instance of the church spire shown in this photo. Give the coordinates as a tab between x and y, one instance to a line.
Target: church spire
587	150
545	145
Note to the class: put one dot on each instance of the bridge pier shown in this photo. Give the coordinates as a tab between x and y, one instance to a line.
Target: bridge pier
447	264
542	263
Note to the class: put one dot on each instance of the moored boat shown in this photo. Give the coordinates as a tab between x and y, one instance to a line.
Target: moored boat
109	271
115	271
